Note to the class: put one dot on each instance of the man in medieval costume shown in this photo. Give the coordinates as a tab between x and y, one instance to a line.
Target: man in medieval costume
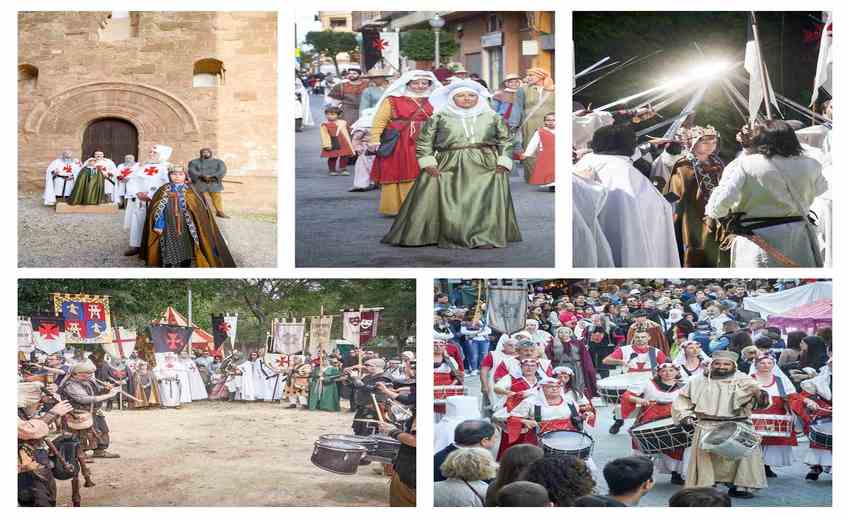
324	391
378	80
94	182
367	394
171	378
348	94
123	172
180	230
531	103
722	395
207	174
692	179
60	176
140	186
145	387
197	388
87	397
504	98
299	381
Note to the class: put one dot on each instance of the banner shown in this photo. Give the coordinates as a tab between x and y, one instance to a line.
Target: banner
26	342
48	333
170	339
320	333
231	328
87	318
506	306
277	360
220	329
359	327
351	327
123	345
288	337
389	48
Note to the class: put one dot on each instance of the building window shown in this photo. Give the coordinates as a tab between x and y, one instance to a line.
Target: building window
339	23
27	78
494	23
208	72
119	25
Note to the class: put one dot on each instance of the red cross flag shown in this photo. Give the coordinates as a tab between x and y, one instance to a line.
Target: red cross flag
170	339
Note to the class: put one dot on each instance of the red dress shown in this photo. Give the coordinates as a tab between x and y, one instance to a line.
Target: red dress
544	167
408	115
779	406
661	408
340	140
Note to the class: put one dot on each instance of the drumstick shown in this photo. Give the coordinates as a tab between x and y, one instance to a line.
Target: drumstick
368	420
377	408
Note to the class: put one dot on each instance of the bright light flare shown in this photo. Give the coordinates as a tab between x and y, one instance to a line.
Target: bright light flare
706	70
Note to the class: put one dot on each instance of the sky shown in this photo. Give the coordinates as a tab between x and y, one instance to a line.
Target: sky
304	23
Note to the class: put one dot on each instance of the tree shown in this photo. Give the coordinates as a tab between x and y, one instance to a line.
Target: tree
330	43
418	45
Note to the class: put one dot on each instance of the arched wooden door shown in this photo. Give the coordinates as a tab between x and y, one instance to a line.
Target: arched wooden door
115	137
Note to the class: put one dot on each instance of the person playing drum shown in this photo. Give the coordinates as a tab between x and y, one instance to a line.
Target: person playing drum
776	422
495	366
816	403
566	376
721	396
654	401
691	360
637	357
517	388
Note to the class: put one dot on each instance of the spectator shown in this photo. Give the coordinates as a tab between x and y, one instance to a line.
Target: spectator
466	471
566	478
513	467
700	497
523	494
468	434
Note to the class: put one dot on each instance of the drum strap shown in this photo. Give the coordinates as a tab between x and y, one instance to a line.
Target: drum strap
538	411
653	360
780	387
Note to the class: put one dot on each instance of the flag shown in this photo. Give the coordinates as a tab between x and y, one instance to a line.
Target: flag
220	329
368	325
288	337
26	341
506	307
122	345
231	328
170	339
48	333
389	48
754	65
277	360
87	317
351	327
320	333
823	73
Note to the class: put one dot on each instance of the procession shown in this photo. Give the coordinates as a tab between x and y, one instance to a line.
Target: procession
420	145
641	392
104	409
153	162
705	144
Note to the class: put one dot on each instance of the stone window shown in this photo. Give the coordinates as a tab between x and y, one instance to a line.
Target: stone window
119	25
27	77
208	72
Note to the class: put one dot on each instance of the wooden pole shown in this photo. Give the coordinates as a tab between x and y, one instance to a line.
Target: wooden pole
764	77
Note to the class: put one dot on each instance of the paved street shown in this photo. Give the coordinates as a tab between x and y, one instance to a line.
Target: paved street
337	228
789	489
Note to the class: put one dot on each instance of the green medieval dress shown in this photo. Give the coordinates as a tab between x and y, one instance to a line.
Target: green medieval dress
469	205
324	395
89	188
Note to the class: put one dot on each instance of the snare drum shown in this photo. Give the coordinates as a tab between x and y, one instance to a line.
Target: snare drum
441	392
820	433
661	436
366	441
386	450
733	440
612	388
773	425
340	457
562	442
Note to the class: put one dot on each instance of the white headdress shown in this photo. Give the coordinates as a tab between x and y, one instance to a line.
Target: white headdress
365	120
398	88
443	98
164	152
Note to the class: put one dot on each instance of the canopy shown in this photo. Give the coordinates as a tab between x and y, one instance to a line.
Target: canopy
783	301
201	340
811	316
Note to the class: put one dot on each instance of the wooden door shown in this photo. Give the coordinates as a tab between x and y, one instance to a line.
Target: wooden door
115	137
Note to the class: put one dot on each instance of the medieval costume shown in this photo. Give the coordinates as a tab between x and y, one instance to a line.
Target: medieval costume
173	390
86	398
60	177
89	187
498	365
768	200
818	392
348	94
336	144
531	103
567	351
590	246
378	82
777	420
467	203
395	128
299	381
503	100
196	387
324	391
36	484
693	181
657	338
180	230
366	394
145	387
122	173
709	401
207	175
360	143
542	144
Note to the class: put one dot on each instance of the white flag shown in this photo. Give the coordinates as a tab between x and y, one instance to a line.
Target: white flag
351	327
823	74
25	338
231	328
753	64
390	48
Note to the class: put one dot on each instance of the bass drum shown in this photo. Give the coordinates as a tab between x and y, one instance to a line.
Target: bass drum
820	433
338	457
562	442
386	450
660	436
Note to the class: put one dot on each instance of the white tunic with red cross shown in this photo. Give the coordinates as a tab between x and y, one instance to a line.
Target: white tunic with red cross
638	357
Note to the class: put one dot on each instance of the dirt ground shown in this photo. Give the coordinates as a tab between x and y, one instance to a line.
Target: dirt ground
224	454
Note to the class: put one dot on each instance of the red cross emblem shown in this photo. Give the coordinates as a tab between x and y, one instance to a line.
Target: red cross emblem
224	327
150	171
67	168
380	45
48	331
125	172
174	342
283	361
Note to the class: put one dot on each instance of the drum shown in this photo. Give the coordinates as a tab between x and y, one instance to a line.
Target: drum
773	425
385	451
820	433
367	441
441	392
733	440
613	387
661	436
340	457
562	442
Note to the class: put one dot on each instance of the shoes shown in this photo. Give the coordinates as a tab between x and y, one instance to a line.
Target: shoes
103	454
333	173
292	406
615	428
735	493
222	215
344	172
814	474
132	251
357	189
676	479
769	473
373	187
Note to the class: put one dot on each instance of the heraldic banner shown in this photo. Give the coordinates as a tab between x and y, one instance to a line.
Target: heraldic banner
287	337
123	345
359	327
219	330
320	333
170	339
87	318
506	305
48	333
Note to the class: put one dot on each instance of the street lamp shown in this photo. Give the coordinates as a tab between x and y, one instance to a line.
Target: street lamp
437	23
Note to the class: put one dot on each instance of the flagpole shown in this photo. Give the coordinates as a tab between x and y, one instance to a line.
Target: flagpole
764	76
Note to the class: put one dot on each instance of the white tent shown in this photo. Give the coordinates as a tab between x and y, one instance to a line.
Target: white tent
782	301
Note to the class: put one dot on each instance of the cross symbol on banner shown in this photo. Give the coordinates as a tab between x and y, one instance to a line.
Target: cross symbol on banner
48	331
224	327
380	44
120	342
150	171
125	172
173	341
283	361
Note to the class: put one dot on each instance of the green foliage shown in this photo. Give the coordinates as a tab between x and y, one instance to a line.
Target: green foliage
330	43
135	302
418	45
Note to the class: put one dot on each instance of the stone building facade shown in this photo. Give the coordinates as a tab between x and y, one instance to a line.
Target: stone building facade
124	81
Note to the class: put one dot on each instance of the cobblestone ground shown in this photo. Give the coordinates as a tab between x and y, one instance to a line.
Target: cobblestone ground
337	228
789	489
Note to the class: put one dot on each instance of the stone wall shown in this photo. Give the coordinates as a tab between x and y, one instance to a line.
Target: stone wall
146	79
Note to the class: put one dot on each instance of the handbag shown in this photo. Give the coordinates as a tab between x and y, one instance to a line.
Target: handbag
389	139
